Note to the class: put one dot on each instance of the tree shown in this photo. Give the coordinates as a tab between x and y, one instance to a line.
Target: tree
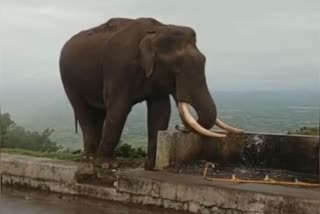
5	125
14	136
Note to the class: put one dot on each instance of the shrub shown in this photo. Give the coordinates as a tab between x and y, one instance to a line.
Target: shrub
306	131
127	151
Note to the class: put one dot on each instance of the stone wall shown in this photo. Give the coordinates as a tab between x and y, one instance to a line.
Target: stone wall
163	189
191	193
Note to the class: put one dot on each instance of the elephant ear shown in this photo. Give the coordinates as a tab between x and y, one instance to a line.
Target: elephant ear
147	53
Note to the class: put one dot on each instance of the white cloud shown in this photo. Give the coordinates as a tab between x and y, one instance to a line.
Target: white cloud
248	43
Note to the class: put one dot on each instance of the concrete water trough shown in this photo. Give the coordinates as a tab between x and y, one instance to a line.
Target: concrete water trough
183	191
296	154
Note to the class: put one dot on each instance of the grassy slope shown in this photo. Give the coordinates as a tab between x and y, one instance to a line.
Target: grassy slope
76	157
254	111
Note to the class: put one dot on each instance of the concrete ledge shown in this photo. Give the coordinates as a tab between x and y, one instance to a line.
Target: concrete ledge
191	193
179	192
43	168
38	184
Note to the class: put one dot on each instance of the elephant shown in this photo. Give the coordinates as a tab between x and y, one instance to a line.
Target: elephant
107	69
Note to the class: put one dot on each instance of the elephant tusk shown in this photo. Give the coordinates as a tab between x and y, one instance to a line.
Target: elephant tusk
188	118
227	127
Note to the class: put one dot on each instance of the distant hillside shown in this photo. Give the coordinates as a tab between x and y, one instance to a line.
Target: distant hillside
255	111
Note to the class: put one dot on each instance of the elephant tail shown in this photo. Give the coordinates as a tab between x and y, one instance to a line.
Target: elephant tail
76	123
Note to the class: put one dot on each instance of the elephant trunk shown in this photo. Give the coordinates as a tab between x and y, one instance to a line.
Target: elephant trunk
205	109
201	100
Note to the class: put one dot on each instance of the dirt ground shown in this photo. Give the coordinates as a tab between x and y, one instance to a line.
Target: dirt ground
107	175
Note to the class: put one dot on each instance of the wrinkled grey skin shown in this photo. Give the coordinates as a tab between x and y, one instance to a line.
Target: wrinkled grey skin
108	69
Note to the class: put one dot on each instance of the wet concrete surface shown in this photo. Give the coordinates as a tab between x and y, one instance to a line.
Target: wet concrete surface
312	193
16	201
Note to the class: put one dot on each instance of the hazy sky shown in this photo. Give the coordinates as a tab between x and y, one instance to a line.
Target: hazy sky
250	45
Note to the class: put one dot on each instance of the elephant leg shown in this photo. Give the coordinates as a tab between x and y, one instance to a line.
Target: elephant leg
159	111
90	120
91	123
118	111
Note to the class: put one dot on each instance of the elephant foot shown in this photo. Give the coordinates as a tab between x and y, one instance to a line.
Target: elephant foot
87	157
106	163
149	165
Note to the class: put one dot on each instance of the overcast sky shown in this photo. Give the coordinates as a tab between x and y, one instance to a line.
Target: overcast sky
250	45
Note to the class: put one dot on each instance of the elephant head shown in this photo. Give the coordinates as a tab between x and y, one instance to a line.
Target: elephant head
171	60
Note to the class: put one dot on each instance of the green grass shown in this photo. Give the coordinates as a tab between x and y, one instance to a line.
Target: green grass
51	155
306	131
123	150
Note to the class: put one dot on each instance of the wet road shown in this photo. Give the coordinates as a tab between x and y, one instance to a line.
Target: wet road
26	202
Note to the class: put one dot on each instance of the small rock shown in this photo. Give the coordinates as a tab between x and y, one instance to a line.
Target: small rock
105	166
115	165
27	198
